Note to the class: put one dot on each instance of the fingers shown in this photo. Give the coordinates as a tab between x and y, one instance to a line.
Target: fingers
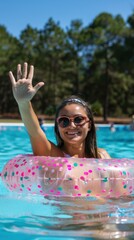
12	79
24	74
31	72
38	86
19	73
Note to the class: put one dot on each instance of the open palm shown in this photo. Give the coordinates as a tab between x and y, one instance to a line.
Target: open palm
23	89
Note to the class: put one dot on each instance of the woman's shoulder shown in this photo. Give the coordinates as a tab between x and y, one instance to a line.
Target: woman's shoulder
103	153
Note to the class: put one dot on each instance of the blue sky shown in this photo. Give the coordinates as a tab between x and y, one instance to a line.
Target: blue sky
16	14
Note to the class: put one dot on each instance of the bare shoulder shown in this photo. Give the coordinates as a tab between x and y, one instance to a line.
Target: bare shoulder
103	153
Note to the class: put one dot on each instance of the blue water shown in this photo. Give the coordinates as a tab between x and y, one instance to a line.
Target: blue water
34	217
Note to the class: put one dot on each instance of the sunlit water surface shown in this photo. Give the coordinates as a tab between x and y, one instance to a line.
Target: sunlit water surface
34	217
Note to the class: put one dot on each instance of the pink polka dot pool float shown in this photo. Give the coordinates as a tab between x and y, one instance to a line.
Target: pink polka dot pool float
72	177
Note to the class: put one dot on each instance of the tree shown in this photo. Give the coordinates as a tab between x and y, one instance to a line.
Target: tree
50	61
8	49
29	38
75	46
105	32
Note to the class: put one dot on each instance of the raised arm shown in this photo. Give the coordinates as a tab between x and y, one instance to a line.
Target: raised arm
23	92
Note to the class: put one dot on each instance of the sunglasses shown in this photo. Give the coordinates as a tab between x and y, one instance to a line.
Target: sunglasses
65	121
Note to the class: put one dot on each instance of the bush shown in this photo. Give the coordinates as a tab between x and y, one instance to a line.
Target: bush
97	108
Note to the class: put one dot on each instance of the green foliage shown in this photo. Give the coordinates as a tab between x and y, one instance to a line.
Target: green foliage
97	108
95	62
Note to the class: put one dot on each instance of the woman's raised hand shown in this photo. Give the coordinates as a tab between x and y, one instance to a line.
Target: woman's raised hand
23	89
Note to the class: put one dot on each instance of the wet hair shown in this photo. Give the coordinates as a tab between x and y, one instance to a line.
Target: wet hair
90	141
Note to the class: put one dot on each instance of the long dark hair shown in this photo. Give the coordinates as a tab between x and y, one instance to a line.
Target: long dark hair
90	141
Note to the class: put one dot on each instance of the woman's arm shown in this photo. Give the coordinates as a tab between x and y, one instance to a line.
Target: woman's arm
39	142
23	92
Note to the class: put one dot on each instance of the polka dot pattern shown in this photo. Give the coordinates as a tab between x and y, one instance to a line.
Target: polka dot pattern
73	177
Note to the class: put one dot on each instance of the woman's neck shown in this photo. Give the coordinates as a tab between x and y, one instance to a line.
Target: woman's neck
74	151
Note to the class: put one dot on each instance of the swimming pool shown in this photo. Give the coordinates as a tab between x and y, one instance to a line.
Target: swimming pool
36	218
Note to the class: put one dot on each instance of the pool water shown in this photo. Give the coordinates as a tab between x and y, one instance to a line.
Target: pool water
34	217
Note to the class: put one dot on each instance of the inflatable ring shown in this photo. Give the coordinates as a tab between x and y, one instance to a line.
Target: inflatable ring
74	177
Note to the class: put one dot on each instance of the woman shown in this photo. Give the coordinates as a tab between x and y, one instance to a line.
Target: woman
74	124
76	138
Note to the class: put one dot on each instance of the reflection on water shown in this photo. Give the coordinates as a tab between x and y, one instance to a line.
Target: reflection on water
37	218
67	218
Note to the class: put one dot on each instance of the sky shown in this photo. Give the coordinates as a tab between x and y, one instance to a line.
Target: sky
15	15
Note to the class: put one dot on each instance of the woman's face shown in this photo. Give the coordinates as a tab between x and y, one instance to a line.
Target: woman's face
71	133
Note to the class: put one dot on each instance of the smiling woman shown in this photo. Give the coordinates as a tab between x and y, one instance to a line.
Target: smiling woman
73	126
75	129
74	123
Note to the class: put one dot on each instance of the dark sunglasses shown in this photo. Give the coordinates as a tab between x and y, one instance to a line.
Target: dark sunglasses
65	121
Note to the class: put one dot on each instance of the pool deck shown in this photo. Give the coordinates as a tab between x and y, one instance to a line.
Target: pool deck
113	120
